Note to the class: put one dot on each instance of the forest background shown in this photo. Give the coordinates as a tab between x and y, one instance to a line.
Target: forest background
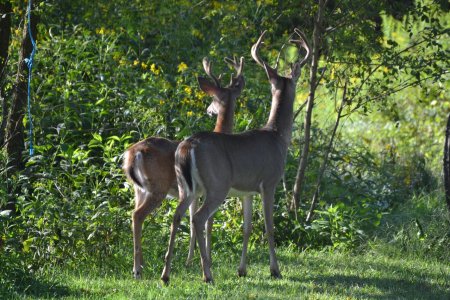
364	169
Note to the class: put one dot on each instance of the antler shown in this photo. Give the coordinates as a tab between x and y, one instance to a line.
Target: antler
255	50
208	69
302	42
259	61
237	66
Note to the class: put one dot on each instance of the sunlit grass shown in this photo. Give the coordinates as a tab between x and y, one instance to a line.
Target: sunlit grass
306	275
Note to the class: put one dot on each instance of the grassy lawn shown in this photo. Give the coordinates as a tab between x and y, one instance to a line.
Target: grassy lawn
307	275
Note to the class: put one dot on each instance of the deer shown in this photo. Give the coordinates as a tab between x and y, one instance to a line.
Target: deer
219	164
150	164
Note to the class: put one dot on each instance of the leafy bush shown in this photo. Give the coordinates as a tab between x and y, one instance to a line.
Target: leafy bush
419	226
106	76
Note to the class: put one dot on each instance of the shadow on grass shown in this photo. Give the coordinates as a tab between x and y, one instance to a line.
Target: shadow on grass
385	280
26	285
386	288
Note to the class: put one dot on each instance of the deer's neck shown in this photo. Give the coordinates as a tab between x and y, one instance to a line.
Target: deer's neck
281	114
225	120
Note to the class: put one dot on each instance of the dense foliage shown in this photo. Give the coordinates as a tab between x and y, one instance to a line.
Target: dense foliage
109	73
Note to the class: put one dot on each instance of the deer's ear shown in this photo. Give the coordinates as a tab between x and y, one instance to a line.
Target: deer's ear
208	87
271	73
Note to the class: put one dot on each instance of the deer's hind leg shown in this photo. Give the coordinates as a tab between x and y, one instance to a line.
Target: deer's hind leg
185	201
192	210
212	202
145	203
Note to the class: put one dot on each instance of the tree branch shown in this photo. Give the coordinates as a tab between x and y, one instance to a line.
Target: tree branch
327	153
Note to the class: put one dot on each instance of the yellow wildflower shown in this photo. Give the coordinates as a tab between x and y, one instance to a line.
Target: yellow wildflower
154	69
190	113
101	30
136	62
200	95
182	67
188	90
161	102
144	65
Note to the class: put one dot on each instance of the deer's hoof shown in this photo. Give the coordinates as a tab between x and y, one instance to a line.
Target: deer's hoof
165	279
276	274
208	280
137	275
242	273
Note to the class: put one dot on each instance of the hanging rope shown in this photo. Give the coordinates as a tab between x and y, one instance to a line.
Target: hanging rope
29	62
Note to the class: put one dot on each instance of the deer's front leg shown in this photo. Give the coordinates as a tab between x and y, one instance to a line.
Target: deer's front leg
268	196
247	207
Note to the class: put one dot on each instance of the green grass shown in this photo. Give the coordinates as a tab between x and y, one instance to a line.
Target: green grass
306	275
399	261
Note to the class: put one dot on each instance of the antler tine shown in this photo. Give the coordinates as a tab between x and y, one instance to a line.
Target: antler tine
255	50
303	42
241	66
237	66
207	66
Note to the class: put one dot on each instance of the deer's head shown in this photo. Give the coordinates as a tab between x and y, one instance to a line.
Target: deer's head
223	97
277	81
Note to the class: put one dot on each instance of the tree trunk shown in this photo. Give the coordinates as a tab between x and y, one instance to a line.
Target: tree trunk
325	159
447	163
14	128
5	36
317	41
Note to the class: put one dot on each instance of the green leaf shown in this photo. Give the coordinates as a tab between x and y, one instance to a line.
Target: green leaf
97	137
27	244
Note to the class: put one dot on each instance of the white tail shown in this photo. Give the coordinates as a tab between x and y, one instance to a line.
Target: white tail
248	163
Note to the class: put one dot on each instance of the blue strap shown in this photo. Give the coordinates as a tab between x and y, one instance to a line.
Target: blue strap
29	62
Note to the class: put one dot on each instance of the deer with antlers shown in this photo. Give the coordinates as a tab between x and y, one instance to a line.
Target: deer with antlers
149	164
218	164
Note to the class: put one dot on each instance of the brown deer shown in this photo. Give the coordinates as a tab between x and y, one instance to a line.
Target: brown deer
149	164
217	164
